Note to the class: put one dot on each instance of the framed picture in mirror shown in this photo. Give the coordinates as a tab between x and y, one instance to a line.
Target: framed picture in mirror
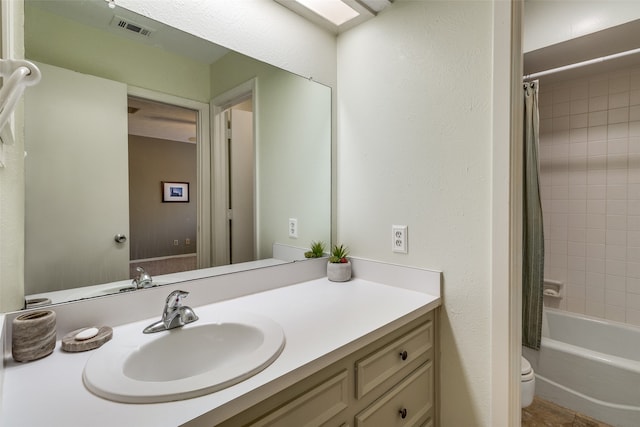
175	192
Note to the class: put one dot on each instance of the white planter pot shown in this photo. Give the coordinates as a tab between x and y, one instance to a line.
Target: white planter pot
339	272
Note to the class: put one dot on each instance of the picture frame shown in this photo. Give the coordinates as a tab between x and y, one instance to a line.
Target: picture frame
173	192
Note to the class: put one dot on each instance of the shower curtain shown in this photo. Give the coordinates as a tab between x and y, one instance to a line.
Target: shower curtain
532	230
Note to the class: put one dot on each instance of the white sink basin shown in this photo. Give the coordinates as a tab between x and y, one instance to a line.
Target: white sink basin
186	362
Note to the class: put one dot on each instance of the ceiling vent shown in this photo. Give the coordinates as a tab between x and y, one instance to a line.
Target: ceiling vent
127	24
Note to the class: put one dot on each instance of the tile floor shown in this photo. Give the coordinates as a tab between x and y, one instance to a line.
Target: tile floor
543	413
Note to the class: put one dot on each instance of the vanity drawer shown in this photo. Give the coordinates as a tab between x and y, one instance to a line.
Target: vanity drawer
408	404
381	365
312	408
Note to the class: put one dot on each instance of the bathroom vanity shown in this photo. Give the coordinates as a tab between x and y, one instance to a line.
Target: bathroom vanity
361	353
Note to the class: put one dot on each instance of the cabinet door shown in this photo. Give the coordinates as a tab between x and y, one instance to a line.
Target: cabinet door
77	181
314	408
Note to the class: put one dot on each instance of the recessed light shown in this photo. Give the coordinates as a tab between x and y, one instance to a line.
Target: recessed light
333	10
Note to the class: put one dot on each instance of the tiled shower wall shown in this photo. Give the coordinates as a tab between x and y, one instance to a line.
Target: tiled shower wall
590	180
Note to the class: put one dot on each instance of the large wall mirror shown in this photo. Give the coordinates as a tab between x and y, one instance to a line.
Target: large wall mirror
150	148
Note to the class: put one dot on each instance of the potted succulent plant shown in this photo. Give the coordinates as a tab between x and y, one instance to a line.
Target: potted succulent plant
339	266
317	250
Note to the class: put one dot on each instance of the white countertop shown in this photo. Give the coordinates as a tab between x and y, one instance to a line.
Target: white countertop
323	321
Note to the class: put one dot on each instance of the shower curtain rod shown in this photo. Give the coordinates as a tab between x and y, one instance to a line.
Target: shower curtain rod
580	64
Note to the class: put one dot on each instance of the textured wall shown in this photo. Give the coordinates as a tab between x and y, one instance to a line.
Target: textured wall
415	148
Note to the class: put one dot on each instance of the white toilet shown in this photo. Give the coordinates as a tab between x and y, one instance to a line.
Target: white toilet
527	383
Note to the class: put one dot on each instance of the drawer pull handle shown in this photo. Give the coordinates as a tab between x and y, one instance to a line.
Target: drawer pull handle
403	413
404	355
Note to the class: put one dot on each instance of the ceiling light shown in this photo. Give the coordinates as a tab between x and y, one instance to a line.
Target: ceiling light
333	10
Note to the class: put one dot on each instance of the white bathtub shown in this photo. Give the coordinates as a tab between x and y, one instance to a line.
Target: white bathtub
589	365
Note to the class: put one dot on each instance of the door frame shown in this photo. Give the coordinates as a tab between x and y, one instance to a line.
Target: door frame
220	167
203	166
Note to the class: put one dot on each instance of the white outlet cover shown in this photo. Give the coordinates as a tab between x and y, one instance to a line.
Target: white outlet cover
399	239
293	228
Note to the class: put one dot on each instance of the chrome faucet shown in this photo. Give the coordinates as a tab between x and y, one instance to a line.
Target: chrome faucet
174	315
143	280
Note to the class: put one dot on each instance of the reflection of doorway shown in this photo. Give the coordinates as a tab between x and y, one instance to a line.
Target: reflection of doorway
234	183
168	141
162	147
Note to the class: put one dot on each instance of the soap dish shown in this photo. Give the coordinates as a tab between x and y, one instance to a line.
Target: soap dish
73	345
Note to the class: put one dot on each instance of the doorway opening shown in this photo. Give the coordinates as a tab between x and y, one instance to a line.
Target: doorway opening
166	143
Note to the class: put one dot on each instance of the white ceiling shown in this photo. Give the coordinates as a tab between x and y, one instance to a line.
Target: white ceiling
162	121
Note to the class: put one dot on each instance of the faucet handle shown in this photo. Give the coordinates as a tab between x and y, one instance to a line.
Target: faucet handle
174	300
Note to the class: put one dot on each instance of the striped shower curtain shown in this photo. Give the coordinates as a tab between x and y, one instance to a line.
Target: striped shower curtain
532	230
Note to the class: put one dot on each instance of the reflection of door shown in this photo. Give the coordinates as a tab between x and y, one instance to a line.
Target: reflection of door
76	181
241	185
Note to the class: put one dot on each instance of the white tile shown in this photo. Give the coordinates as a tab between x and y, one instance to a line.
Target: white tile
633	285
594	308
545	111
595	235
633	301
576	278
616	176
633	317
576	305
618	115
633	222
561	94
618	100
556	261
546	127
633	238
576	249
633	175
617	222
617	161
576	263
557	220
561	192
597	162
597	133
577	234
595	287
617	146
633	270
595	250
634	97
595	265
598	118
633	207
578	121
579	89
634	128
562	109
561	123
618	253
615	237
615	268
580	106
634	145
557	233
596	192
615	283
619	84
579	192
576	291
596	207
561	137
633	254
616	192
577	206
578	177
633	191
634	113
615	207
614	313
617	129
579	149
578	135
596	221
598	87
599	103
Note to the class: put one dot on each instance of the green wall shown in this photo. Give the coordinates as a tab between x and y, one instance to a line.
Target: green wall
65	43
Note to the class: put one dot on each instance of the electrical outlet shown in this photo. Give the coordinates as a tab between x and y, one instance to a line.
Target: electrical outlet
176	243
187	241
399	238
293	228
